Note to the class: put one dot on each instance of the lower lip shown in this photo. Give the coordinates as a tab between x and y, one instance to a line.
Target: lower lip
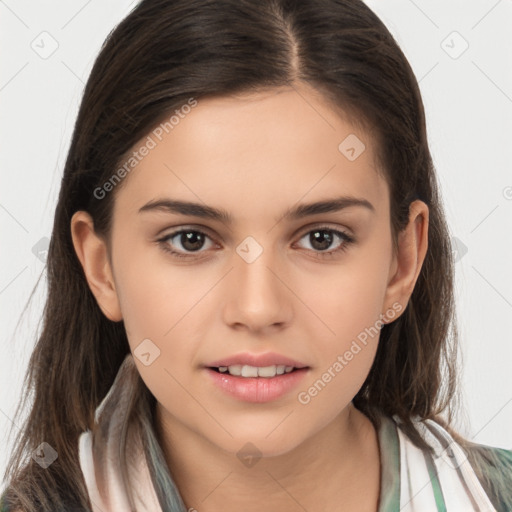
257	389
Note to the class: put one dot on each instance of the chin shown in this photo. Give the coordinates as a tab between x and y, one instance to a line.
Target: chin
258	441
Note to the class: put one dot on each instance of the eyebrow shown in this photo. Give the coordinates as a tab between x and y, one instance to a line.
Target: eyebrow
168	205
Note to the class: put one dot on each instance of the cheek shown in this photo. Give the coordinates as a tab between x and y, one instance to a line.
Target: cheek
349	298
153	294
348	302
159	304
158	314
346	349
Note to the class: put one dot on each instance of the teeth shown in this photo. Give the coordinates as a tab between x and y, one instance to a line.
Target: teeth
255	371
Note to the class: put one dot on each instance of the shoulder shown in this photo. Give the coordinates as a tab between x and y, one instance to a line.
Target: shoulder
493	467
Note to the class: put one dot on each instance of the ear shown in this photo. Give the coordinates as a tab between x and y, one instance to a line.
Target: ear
91	250
409	257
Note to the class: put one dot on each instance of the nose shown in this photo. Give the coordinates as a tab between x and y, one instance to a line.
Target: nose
258	298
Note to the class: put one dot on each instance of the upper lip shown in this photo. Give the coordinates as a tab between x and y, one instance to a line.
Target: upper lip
261	360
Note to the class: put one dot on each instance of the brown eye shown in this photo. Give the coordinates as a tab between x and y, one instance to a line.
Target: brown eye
186	240
322	238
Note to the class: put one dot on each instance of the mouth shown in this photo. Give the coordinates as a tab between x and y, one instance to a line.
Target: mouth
248	371
253	377
257	384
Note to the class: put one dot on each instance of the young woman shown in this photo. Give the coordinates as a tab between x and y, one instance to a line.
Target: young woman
250	279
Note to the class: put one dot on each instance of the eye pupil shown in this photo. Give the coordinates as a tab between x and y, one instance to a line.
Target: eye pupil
319	237
192	240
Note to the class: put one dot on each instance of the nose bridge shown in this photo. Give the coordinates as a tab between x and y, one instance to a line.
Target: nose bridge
257	297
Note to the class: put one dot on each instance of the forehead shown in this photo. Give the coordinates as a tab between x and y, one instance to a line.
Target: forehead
253	152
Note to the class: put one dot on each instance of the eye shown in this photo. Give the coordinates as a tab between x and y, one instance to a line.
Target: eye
191	240
321	238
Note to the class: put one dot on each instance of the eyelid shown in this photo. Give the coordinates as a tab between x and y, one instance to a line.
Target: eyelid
215	236
345	235
174	230
327	226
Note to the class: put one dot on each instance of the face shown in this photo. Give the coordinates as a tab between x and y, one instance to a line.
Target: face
307	291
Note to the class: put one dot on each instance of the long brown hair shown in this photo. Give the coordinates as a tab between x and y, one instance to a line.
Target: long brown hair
162	54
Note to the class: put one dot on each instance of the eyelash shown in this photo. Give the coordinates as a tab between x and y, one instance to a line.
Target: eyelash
347	241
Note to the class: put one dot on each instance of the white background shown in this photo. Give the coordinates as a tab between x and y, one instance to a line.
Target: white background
468	101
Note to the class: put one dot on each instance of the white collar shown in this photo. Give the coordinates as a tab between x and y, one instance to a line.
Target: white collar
99	452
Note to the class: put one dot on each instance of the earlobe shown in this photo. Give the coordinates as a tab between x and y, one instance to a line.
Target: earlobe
411	252
91	250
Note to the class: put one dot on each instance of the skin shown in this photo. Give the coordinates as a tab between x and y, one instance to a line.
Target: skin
256	156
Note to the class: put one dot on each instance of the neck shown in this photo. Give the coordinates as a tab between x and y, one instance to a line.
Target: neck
338	468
